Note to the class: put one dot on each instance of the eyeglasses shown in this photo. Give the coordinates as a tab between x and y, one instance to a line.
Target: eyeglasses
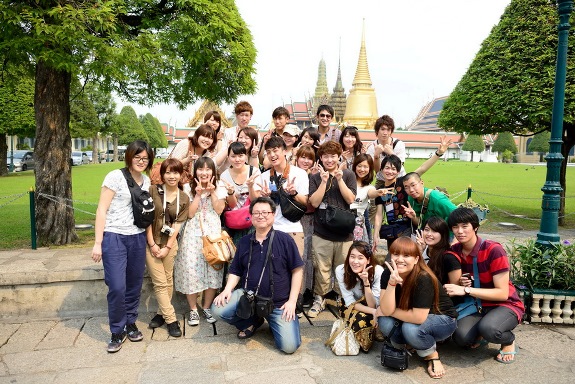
262	214
410	186
326	115
139	159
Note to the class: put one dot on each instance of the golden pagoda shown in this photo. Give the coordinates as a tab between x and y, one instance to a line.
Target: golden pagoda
338	98
207	105
361	108
321	95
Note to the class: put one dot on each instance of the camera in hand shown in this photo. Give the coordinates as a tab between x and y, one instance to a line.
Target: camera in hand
167	230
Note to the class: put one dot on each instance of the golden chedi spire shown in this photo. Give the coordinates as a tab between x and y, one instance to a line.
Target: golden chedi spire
361	108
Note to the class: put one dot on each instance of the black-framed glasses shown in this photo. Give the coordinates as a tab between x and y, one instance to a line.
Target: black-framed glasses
326	115
262	213
139	159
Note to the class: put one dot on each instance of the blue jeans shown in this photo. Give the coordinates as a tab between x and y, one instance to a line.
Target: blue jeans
286	333
124	261
422	337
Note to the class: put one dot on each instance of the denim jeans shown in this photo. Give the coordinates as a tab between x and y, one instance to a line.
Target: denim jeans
494	325
286	333
124	261
422	337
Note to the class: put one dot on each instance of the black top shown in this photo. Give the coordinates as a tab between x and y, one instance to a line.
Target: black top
423	295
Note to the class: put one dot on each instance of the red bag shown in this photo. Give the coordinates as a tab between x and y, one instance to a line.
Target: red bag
239	218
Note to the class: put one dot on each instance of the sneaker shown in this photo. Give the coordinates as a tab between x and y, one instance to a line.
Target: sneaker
317	307
116	342
157	321
134	333
208	315
194	318
174	329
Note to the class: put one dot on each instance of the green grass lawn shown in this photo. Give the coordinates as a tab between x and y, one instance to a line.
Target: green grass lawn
512	188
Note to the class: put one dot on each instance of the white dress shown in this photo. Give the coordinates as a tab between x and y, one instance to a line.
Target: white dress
192	274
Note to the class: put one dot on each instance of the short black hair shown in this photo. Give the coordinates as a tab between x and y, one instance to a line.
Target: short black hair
237	148
463	215
275	142
392	160
263	200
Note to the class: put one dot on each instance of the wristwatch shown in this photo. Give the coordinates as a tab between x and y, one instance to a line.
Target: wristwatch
467	291
294	195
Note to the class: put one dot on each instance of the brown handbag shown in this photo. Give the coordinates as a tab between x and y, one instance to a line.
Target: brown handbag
217	249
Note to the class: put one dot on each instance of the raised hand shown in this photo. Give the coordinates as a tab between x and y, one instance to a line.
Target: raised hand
338	174
251	180
211	187
419	240
364	275
199	188
290	187
444	144
394	278
408	211
229	187
265	188
378	150
323	173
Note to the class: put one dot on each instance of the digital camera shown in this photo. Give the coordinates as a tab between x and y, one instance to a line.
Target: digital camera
167	230
250	295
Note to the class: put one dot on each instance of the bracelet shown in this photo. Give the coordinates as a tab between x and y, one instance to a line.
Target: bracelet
152	246
167	246
230	194
393	285
437	154
367	286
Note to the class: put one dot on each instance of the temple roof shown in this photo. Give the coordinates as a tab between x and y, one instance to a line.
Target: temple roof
207	106
426	120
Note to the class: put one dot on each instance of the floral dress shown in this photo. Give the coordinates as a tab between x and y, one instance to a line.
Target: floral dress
192	273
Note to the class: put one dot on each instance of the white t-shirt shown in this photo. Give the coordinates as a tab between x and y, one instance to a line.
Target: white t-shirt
120	217
242	190
351	296
361	200
398	150
301	183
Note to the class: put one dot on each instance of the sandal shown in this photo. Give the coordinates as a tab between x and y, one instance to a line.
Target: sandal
479	343
503	353
247	333
431	368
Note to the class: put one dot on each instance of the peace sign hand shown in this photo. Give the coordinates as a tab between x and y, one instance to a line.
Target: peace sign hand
323	173
229	187
408	211
290	187
251	180
394	278
211	187
199	188
364	275
338	174
265	188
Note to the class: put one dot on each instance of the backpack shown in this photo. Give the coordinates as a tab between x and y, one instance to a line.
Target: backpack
142	203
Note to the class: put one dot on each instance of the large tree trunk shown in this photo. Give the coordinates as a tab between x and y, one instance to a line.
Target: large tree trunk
568	142
3	154
52	152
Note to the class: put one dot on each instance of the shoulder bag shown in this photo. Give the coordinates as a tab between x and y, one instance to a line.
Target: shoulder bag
239	218
217	249
142	202
470	304
292	209
340	221
391	357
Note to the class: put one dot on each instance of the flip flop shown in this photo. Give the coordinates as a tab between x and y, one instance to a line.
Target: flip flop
432	373
502	353
249	333
479	344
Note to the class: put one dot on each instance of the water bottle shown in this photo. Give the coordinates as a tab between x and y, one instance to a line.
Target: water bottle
358	230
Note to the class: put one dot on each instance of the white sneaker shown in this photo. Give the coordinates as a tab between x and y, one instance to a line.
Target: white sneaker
194	318
317	307
208	315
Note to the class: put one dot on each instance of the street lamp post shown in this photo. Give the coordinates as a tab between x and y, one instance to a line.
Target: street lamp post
548	231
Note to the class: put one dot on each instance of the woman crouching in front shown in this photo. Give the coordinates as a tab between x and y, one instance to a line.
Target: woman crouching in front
412	296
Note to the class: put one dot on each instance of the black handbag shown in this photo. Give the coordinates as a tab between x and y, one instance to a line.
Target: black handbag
292	209
393	231
340	221
391	357
250	303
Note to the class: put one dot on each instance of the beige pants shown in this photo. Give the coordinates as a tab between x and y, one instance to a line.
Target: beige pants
161	272
326	256
298	238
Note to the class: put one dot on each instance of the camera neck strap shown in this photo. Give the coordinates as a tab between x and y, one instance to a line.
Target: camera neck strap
165	203
268	254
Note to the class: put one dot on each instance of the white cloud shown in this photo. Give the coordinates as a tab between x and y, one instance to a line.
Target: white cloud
416	50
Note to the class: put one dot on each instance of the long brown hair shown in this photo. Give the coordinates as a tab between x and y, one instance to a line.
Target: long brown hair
207	131
350	278
405	246
437	252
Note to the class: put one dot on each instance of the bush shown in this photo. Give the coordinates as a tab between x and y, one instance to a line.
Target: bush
87	148
507	156
534	266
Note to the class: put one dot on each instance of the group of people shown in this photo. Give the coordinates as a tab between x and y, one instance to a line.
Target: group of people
353	195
